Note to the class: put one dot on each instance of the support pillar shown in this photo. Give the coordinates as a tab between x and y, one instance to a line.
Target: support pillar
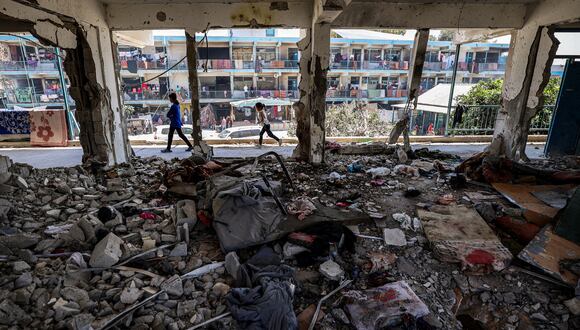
191	48
413	86
532	52
319	64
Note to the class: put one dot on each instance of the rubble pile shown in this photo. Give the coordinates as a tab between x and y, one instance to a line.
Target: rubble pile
392	240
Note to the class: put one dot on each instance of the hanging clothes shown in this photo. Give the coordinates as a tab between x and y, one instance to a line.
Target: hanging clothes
458	115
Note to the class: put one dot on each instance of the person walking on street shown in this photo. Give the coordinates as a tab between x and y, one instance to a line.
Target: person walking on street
263	120
175	116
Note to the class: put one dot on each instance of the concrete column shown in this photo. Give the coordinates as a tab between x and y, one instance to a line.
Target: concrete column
191	48
232	83
531	54
413	85
319	65
302	107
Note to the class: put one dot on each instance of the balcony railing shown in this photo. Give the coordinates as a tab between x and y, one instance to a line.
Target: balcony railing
38	99
365	93
150	95
31	65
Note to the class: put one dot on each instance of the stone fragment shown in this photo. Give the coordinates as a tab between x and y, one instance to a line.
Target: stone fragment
107	252
10	313
20	182
394	237
77	295
20	240
20	267
173	286
220	289
185	212
23	280
180	250
232	264
573	305
331	270
340	315
186	308
54	213
131	294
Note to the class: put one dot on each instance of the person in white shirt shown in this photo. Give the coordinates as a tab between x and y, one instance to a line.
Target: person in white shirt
263	120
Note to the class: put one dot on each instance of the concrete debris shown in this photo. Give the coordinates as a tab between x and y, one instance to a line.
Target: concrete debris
395	237
83	247
331	270
107	252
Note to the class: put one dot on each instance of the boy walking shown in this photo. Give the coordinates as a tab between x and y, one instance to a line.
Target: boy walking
263	120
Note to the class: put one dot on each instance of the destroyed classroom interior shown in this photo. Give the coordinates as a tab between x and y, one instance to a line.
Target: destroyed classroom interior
338	236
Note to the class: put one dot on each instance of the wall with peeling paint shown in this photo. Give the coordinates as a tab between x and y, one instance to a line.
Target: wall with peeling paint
198	16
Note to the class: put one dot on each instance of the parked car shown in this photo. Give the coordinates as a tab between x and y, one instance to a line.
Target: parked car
161	131
240	132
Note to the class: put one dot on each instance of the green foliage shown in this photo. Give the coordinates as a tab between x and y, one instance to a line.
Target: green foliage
485	92
484	99
394	31
350	119
446	35
354	119
128	109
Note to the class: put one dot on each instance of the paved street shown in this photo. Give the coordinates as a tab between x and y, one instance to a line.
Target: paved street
57	157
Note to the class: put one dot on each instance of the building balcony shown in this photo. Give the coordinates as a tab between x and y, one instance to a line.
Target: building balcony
30	65
366	93
369	65
154	96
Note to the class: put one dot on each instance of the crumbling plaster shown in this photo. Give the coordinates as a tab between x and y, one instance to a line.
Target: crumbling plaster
63	23
532	51
200	15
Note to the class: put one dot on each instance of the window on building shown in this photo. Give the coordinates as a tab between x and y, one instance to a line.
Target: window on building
354	81
214	53
292	83
270	32
371	82
242	53
373	55
293	54
266	83
393	55
333	82
432	56
266	53
240	82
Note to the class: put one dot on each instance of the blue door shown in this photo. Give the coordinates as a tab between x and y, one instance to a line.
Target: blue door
564	135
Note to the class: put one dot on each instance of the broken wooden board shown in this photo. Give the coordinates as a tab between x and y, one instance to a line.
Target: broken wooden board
459	234
535	211
546	251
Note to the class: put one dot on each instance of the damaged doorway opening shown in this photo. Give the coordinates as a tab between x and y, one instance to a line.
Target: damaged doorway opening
236	68
35	107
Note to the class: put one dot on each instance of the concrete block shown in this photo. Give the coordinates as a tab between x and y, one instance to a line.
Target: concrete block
331	270
107	252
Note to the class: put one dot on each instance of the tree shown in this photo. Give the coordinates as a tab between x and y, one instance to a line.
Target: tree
484	99
394	31
446	35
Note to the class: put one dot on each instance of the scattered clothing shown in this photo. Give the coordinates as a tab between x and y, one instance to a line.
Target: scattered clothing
302	207
265	300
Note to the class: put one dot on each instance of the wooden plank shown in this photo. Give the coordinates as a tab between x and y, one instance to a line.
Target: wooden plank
535	211
459	234
546	251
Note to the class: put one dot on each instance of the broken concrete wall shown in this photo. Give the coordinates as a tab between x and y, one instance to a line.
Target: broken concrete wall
90	65
319	64
302	107
532	51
